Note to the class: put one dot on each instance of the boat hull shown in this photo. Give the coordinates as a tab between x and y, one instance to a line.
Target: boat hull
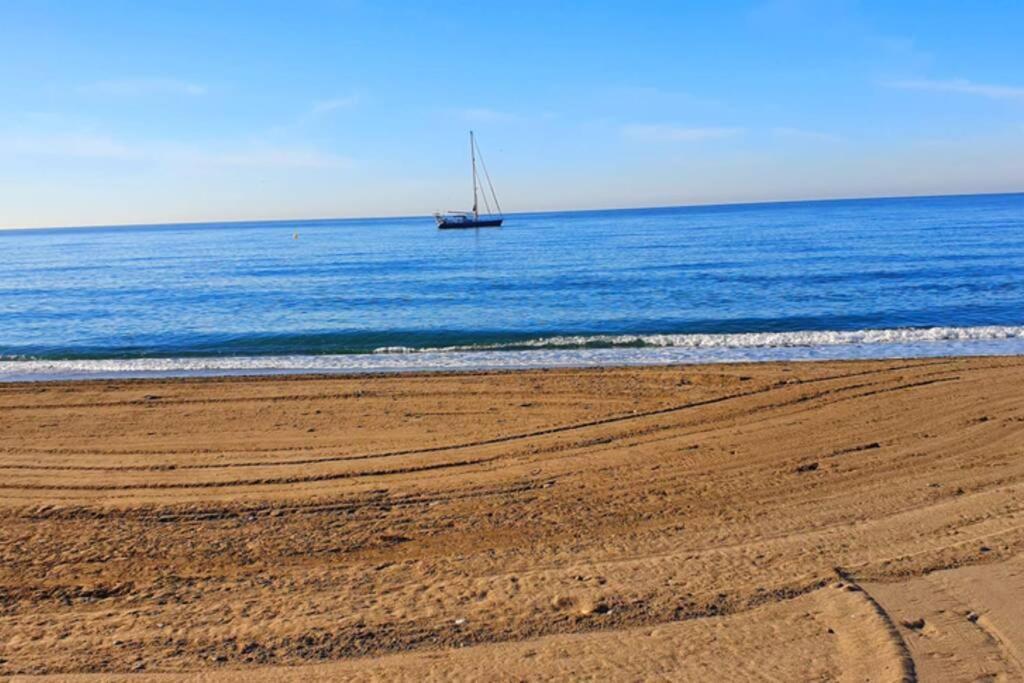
463	225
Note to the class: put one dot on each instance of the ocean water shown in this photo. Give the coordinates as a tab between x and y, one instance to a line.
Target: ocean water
802	280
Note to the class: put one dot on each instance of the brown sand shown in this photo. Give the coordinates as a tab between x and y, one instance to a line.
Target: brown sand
825	521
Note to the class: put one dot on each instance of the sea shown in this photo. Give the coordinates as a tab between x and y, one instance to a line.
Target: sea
842	279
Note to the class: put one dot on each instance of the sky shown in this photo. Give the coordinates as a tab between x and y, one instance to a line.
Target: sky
125	112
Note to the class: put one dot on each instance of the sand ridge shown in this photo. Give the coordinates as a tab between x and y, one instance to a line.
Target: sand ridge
737	521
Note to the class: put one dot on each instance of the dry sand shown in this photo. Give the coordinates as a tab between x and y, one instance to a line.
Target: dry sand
819	521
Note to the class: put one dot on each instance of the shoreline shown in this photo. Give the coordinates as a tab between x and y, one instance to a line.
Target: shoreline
285	375
1008	342
725	520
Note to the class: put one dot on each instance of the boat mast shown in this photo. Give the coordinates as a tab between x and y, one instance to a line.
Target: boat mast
472	157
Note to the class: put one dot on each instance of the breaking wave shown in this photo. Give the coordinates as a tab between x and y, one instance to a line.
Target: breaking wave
558	351
743	340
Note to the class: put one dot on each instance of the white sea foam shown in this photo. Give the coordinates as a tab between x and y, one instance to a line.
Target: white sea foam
563	352
743	340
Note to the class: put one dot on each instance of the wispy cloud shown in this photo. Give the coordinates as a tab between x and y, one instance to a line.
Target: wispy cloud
335	104
267	157
484	115
644	94
101	147
805	134
73	145
134	87
962	86
903	51
668	133
799	12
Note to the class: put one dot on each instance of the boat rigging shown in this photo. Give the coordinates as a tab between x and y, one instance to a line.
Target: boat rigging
474	219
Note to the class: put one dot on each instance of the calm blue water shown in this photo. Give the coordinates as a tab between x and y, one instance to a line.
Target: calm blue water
611	285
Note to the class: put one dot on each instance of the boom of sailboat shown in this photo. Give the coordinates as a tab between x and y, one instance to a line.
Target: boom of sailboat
474	219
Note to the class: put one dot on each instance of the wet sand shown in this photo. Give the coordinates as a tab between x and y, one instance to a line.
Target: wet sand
801	521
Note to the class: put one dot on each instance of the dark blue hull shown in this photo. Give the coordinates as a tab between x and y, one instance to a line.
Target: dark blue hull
485	223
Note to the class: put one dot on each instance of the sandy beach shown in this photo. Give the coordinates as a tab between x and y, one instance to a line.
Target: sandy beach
802	521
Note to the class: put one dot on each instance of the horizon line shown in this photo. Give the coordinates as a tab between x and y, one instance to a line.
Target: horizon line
238	221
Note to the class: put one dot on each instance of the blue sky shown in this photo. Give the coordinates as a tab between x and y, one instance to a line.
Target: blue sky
130	112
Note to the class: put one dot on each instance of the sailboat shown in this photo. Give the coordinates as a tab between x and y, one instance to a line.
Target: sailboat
474	219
